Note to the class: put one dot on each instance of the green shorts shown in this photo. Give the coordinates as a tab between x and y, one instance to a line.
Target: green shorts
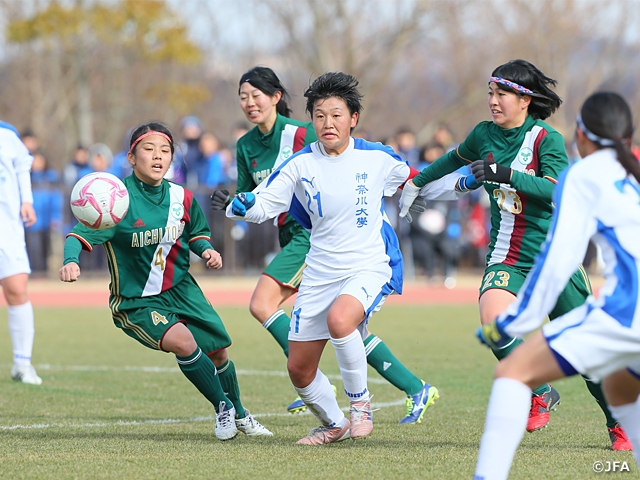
148	319
287	266
507	277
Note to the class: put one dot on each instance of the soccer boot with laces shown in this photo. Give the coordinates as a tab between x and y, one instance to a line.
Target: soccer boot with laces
417	404
619	440
25	374
251	427
298	406
226	428
361	419
323	435
541	405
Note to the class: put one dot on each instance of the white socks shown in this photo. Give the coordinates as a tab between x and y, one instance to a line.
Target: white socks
319	398
352	359
506	422
629	417
22	332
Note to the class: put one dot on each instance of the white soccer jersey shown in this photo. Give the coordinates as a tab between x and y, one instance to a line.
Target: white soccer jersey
340	199
594	198
15	185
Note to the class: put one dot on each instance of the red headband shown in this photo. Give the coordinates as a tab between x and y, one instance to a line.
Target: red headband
150	132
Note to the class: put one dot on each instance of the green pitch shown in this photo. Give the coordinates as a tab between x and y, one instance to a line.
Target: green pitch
110	408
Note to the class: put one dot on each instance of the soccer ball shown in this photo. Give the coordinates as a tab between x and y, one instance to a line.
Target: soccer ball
99	200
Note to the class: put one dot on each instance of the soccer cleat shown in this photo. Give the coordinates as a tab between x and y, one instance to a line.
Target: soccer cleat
417	404
251	427
541	405
619	440
225	422
324	435
25	374
298	406
361	419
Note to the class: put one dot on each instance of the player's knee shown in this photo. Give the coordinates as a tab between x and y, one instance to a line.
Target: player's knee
179	340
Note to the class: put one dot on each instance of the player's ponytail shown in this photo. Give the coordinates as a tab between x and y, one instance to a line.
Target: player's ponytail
606	120
265	80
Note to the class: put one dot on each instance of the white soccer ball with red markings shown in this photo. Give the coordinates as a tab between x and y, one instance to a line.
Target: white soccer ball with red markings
99	200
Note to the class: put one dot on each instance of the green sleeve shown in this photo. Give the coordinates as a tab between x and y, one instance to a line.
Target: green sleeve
552	159
72	249
199	233
310	136
245	182
446	164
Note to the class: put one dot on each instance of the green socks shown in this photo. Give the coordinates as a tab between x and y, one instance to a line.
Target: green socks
389	367
503	352
229	381
595	388
278	326
201	371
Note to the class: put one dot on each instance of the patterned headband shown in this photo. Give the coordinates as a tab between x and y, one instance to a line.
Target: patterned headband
514	85
147	134
605	142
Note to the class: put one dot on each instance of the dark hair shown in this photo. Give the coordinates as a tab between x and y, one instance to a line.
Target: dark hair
265	80
607	115
544	101
334	84
151	127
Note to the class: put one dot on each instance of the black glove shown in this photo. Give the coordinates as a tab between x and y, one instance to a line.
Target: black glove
220	199
485	171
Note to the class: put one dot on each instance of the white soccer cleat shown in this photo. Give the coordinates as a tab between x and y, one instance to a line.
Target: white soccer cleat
225	422
25	374
324	435
251	427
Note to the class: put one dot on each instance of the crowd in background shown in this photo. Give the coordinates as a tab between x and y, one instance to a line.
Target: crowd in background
442	239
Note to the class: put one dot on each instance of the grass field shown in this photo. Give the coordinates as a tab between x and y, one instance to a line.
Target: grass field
110	408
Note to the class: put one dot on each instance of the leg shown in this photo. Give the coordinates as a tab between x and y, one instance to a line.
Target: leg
202	373
529	365
21	327
265	307
622	391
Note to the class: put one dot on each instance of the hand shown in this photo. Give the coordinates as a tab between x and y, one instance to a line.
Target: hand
220	199
466	184
242	203
492	336
409	194
213	258
28	214
486	171
70	272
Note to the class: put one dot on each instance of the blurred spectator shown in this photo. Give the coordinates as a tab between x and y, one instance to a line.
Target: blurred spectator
121	166
429	154
407	149
47	202
444	137
188	160
100	158
30	140
77	167
215	158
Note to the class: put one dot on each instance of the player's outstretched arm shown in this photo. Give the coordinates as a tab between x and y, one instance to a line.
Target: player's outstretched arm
213	258
242	203
70	272
220	199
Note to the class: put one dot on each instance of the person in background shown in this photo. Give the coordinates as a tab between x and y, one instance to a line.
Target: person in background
153	297
16	212
407	146
47	203
213	173
189	160
597	198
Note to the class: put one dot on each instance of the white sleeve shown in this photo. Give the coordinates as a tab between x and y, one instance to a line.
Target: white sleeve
273	196
22	161
397	175
562	253
443	188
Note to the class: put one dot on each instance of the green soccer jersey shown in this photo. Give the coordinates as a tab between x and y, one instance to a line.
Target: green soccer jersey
148	251
258	154
520	210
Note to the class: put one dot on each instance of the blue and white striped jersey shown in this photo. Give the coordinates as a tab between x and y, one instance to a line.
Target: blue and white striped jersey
594	198
340	199
15	185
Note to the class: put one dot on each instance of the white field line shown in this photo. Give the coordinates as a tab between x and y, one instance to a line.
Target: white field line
105	368
120	423
108	368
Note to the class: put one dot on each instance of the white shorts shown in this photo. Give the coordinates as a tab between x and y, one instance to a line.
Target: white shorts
309	314
13	260
592	343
